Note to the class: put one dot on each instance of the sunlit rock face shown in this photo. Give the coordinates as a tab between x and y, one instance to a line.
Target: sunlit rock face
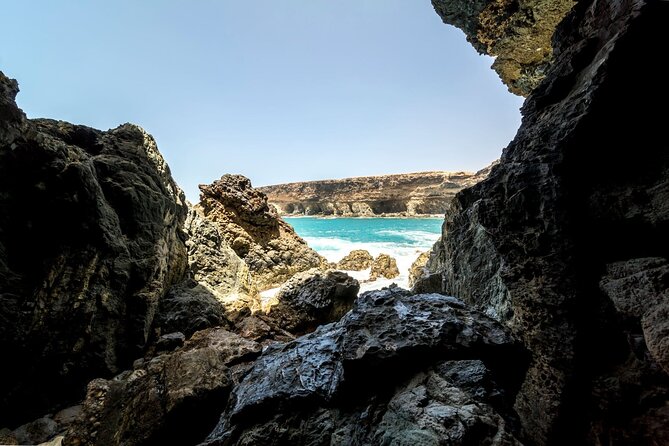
517	34
255	232
90	239
406	194
570	229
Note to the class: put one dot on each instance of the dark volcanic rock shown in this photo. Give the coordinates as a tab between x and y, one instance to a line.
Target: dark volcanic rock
253	229
171	399
517	34
313	298
580	197
90	239
377	375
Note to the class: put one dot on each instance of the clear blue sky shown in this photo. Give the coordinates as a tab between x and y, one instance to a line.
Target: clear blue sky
278	91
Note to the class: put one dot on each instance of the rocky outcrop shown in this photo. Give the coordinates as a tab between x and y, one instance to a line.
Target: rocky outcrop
313	298
334	385
90	239
251	227
419	269
171	399
409	194
517	34
566	236
356	260
384	266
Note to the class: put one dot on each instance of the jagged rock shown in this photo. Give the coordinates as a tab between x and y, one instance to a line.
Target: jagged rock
172	399
313	298
90	239
418	268
269	246
529	245
402	194
356	260
333	385
384	266
212	261
517	34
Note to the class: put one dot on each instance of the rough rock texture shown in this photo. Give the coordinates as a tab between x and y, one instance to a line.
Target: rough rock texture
418	268
313	298
401	194
583	187
356	260
170	399
90	239
384	266
269	246
390	372
517	34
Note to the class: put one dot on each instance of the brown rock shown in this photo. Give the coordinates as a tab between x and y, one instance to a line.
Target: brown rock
356	260
153	403
517	34
384	266
268	245
418	268
423	193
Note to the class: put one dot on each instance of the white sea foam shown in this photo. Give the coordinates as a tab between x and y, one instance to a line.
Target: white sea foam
334	249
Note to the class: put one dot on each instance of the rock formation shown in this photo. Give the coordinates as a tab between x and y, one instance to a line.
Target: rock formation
402	194
313	298
418	269
173	398
251	227
90	240
565	241
517	34
384	266
356	260
333	386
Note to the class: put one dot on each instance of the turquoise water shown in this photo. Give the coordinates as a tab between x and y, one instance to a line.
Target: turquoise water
402	238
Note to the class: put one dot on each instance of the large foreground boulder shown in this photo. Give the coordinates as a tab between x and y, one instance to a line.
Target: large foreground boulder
90	239
566	241
390	370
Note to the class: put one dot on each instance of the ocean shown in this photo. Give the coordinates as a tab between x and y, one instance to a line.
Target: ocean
402	238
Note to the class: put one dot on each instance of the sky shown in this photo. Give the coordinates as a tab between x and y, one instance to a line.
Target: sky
278	91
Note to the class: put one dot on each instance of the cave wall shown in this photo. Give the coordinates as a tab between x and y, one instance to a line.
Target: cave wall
571	227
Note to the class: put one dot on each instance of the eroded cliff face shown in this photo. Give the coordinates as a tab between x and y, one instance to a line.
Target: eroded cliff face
569	231
517	33
401	194
90	239
255	232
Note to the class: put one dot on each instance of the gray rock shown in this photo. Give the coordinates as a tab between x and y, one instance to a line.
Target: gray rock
313	298
35	432
327	378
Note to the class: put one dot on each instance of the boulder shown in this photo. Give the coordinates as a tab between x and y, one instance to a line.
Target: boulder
153	403
313	298
356	260
384	266
255	232
334	384
90	240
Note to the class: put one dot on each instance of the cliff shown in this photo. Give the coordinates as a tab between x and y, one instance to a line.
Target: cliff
401	194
